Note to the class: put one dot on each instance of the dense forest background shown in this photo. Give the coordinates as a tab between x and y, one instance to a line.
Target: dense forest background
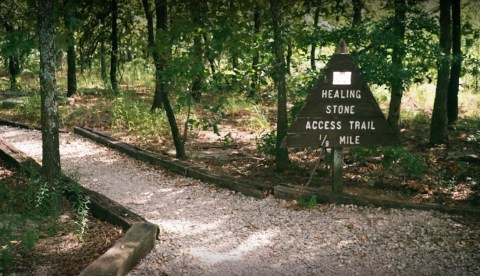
193	60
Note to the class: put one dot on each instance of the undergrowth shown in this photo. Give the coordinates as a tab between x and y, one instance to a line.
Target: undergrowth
31	207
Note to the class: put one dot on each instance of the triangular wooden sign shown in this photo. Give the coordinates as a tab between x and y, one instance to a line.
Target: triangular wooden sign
340	111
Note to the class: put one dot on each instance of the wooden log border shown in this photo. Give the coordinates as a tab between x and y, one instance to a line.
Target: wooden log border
260	190
180	167
292	192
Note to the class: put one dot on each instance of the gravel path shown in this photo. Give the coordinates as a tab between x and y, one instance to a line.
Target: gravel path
211	231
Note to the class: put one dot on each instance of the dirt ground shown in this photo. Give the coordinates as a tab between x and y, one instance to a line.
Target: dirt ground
451	174
58	249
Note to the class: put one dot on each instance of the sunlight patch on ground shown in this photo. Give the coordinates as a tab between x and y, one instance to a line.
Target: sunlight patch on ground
185	228
253	242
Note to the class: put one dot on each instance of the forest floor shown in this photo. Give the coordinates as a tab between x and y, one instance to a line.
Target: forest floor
413	172
37	245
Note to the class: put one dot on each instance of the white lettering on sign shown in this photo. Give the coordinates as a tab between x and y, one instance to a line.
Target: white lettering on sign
341	94
349	140
340	109
323	125
342	78
362	125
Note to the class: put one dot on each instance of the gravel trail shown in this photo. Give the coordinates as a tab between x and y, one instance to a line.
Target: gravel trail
211	231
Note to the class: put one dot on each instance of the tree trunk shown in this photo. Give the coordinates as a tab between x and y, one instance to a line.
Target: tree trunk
48	90
157	98
279	71
256	55
357	12
103	62
198	74
161	10
313	48
208	53
396	83
13	71
453	85
13	62
438	127
289	58
71	59
114	50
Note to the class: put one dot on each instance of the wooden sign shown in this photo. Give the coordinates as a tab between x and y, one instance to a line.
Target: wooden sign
340	111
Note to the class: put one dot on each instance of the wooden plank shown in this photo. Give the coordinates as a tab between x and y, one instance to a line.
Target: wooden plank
323	196
337	170
180	167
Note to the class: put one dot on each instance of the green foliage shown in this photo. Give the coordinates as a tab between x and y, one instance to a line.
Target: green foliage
6	257
361	154
266	143
30	238
410	163
31	108
310	203
31	210
227	140
135	117
48	197
80	203
256	115
294	110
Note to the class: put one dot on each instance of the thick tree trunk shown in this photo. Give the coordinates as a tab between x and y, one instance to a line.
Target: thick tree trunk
313	47
396	83
281	156
48	90
114	50
453	85
71	58
438	127
256	55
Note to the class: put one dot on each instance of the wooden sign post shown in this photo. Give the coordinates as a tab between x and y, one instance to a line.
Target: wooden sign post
339	112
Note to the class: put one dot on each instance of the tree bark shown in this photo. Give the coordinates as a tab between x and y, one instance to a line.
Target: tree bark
396	83
114	50
279	71
453	85
157	98
71	58
256	55
438	127
313	47
48	89
13	71
161	59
